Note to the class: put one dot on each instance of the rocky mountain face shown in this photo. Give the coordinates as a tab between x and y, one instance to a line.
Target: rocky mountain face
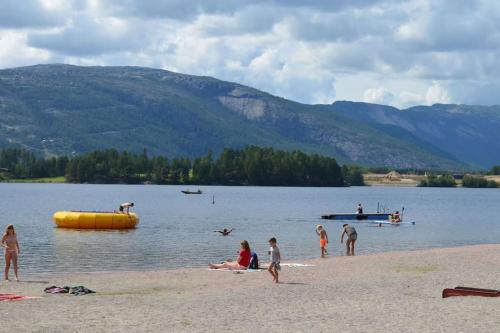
63	109
469	133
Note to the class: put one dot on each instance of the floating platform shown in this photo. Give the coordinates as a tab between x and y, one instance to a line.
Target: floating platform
95	220
358	217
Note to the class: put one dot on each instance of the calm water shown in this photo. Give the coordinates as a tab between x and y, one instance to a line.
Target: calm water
176	230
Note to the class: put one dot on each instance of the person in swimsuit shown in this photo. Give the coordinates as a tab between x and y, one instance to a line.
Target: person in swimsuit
274	266
241	263
359	210
126	206
323	239
224	232
11	246
352	235
396	217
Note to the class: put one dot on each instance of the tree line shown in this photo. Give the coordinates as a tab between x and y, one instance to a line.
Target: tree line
20	163
495	170
432	180
248	166
447	180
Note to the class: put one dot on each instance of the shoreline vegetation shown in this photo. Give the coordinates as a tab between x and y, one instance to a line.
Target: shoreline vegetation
241	167
249	166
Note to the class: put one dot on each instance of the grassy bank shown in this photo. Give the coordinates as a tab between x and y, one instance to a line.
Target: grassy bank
51	180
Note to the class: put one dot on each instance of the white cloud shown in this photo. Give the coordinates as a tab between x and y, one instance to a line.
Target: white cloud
15	14
378	96
108	34
384	51
14	52
436	94
406	99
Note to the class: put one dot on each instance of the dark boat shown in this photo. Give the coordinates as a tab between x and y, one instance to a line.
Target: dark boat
190	192
467	291
358	217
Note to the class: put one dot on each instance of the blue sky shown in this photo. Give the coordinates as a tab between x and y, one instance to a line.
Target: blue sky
401	53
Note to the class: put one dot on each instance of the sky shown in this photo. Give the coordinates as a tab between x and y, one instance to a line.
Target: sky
400	53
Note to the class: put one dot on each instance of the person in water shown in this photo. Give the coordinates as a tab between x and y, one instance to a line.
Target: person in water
274	265
11	246
224	232
323	239
352	235
126	206
359	210
396	217
241	263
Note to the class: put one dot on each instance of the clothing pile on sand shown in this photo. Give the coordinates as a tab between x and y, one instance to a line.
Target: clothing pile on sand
76	291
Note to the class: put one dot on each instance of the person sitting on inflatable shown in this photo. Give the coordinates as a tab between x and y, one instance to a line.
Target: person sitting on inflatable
241	263
396	217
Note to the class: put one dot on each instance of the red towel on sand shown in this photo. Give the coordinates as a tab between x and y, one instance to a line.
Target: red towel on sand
13	297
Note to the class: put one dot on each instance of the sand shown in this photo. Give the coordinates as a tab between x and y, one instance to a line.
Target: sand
376	179
389	292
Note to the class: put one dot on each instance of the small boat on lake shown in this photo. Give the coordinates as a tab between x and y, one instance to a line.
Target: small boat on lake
191	192
95	220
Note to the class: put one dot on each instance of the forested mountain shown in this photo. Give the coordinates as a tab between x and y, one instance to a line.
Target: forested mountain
63	109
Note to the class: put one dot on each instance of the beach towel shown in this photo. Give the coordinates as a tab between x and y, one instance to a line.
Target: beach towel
13	297
290	264
238	271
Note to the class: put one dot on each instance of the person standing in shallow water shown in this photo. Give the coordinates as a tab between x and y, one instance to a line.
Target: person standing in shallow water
323	239
352	235
11	249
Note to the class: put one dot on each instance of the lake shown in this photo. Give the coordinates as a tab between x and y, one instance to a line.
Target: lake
176	230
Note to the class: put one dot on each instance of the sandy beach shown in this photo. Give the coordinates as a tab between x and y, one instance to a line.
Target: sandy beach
389	292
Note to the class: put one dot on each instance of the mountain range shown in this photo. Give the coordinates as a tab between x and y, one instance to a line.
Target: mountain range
63	109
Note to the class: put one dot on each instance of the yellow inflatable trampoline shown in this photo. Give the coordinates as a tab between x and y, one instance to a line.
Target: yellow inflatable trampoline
95	220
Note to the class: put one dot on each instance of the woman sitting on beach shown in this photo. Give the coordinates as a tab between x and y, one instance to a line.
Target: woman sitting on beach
241	263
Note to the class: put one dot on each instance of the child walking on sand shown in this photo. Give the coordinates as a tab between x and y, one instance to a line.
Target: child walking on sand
323	239
9	242
275	255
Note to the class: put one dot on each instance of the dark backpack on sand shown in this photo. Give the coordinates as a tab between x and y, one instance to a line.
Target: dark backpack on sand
254	261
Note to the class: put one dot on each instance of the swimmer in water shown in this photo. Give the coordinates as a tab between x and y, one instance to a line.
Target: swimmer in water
224	232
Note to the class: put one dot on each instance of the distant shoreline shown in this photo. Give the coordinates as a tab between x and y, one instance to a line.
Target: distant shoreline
48	180
406	180
370	179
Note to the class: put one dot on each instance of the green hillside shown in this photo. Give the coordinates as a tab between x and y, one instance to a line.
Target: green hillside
63	109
